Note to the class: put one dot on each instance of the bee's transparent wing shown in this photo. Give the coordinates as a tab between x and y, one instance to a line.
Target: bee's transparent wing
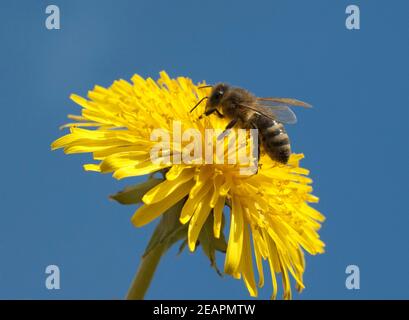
270	102
282	113
279	108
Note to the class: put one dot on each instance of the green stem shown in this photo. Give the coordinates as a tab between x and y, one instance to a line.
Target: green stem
140	283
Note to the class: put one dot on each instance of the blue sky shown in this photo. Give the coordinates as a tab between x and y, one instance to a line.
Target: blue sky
355	138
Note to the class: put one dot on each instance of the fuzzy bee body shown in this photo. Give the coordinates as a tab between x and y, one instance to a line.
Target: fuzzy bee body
273	137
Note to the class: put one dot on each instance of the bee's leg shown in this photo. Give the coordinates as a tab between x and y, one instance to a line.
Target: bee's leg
230	125
253	126
209	112
219	114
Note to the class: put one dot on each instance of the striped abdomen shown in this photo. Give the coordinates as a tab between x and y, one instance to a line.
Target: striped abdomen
274	138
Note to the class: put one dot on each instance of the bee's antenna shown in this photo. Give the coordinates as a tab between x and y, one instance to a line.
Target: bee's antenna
206	86
197	104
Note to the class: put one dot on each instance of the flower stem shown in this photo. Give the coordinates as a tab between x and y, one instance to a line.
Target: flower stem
140	283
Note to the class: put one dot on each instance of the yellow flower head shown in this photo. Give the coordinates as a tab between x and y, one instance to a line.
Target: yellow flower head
270	218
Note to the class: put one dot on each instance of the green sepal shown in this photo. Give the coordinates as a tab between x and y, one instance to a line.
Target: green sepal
169	230
210	244
134	194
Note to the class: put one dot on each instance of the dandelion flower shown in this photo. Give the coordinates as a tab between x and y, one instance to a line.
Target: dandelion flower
269	216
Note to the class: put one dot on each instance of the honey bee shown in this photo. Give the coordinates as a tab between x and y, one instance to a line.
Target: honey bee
244	109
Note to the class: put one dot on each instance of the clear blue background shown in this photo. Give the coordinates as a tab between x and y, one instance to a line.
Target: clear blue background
355	139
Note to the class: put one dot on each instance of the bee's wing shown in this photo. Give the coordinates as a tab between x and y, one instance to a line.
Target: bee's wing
280	108
272	101
281	113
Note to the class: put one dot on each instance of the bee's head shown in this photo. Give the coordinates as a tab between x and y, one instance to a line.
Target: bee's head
218	92
215	98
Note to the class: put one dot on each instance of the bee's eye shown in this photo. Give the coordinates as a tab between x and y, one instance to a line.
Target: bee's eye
218	94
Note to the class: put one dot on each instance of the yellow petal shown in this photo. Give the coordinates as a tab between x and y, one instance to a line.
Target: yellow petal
246	264
92	167
147	213
201	180
272	259
235	244
138	170
198	219
258	257
124	159
176	171
218	216
167	187
224	189
286	283
217	182
192	202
